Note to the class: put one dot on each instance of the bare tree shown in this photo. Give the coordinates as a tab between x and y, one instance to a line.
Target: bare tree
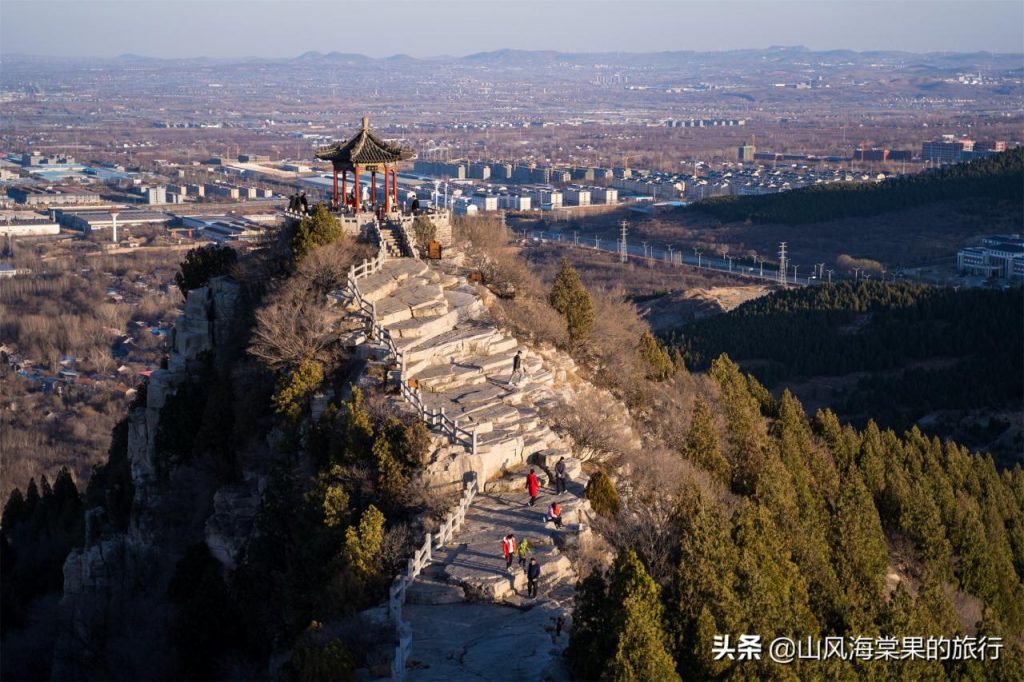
294	326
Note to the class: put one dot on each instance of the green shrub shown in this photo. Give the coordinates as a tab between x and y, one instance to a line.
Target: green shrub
293	390
601	493
314	231
202	264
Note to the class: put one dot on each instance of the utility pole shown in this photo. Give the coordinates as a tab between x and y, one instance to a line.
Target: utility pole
623	254
829	276
697	253
729	258
575	238
856	274
645	249
597	243
821	270
795	280
782	262
671	260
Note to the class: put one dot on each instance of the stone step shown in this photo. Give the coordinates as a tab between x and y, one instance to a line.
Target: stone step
490	364
503	344
460	299
432	592
377	286
400	268
424	327
499	414
451	344
528	419
396	309
441	377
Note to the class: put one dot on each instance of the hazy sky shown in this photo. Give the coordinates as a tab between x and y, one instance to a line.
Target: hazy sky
278	28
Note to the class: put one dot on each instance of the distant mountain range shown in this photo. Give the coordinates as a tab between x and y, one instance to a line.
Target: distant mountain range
518	58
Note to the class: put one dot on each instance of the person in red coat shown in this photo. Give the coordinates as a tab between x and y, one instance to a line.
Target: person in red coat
508	548
532	486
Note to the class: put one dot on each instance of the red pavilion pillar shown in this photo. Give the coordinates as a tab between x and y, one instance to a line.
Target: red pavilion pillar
373	188
334	195
394	185
387	191
344	187
357	192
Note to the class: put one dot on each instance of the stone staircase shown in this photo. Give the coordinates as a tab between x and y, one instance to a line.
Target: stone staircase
393	241
473	619
460	362
467	617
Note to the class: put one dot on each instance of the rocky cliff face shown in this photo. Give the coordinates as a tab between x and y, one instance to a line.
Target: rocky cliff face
116	570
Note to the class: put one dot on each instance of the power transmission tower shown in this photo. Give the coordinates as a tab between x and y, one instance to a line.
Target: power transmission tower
782	262
623	254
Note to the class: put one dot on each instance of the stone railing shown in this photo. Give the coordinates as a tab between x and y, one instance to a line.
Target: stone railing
420	560
434	418
437	419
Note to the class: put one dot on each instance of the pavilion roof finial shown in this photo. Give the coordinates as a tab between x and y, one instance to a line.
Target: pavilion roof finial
366	122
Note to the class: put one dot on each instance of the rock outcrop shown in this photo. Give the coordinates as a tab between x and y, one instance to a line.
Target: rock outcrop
114	569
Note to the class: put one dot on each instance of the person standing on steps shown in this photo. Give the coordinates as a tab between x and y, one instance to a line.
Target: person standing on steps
532	576
560	476
508	547
303	204
517	368
532	486
522	551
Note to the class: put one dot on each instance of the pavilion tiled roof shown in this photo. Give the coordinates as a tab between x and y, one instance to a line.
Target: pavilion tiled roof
364	148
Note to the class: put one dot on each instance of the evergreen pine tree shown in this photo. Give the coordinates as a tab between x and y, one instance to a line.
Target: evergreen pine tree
703	600
14	510
659	363
391	480
570	298
592	636
641	654
294	390
701	445
745	424
363	545
860	556
640	650
358	428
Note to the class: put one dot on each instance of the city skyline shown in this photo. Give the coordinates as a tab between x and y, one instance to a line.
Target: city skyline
458	28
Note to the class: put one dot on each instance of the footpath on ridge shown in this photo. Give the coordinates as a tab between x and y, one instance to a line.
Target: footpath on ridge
470	617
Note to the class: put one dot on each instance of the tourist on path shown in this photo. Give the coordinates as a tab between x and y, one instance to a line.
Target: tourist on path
522	551
303	203
415	208
560	476
517	367
532	576
508	547
532	486
555	514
